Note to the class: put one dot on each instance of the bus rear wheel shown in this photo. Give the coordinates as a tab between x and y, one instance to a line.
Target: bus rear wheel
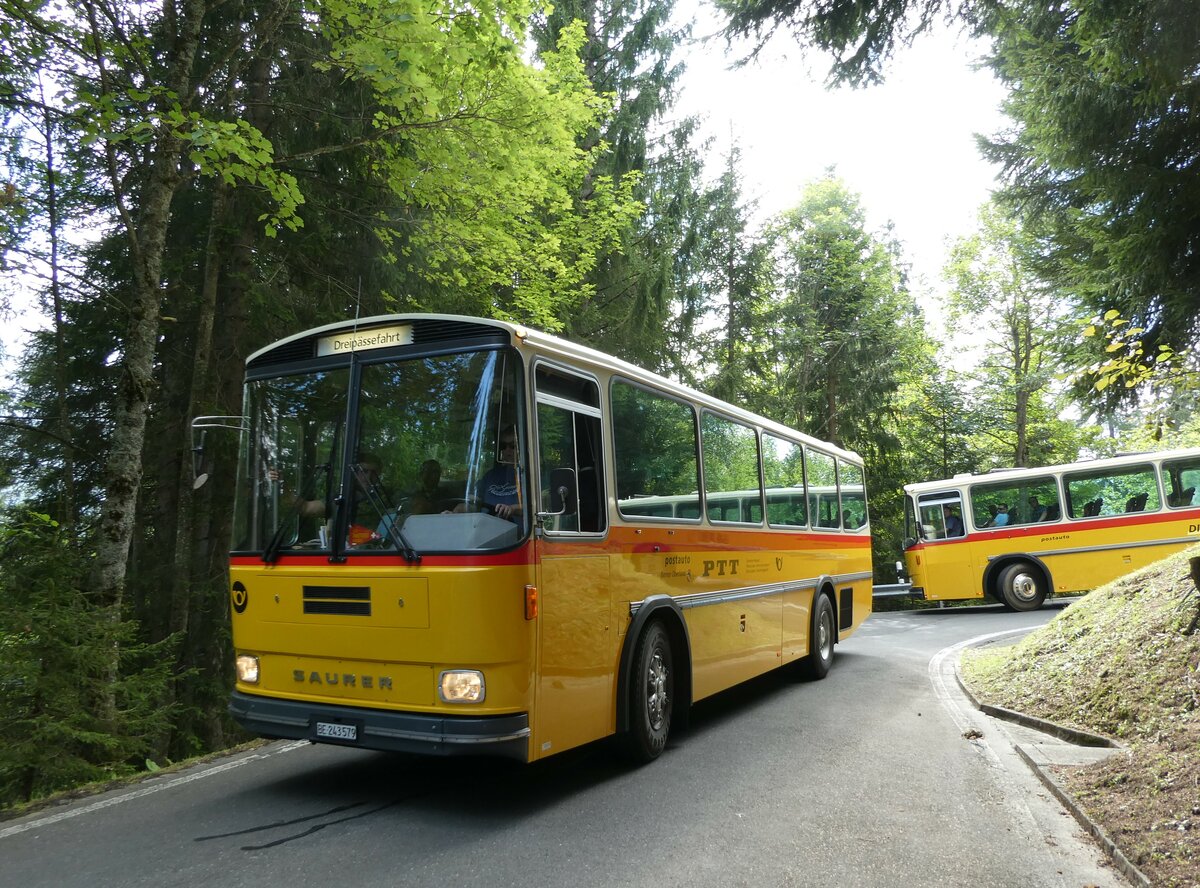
652	694
820	658
1022	586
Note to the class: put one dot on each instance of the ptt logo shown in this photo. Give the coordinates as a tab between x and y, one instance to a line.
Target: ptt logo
240	597
721	568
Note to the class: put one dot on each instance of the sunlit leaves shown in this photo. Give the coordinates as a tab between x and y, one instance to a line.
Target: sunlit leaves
480	149
1128	364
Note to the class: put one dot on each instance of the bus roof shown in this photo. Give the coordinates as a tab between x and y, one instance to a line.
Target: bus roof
572	352
1016	474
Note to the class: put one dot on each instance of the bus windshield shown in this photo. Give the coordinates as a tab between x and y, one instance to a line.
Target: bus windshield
419	455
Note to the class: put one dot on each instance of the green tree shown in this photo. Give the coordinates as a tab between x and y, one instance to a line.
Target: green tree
732	260
629	54
1100	159
55	667
1104	98
996	295
438	170
831	366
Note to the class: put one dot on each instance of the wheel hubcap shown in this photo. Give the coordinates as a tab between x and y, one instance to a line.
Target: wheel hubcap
1024	587
824	634
656	696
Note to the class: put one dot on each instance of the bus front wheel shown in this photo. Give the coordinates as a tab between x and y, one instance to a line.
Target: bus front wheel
1022	586
820	657
651	697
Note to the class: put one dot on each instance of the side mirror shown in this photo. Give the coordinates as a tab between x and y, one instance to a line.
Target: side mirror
909	542
200	427
562	493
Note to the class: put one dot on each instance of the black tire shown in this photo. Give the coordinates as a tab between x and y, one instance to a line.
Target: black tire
651	695
821	640
1022	586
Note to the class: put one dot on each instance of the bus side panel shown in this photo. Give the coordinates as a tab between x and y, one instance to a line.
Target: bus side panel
577	645
947	570
797	623
1083	555
1080	555
769	621
733	642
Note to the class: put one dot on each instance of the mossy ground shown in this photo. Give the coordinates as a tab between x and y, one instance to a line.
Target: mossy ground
1124	661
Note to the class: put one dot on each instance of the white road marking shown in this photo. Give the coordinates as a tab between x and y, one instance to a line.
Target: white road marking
148	790
941	676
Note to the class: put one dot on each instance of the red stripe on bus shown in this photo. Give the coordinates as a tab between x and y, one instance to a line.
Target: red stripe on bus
620	540
522	555
1046	527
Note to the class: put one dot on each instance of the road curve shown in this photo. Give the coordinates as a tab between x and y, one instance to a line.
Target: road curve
863	779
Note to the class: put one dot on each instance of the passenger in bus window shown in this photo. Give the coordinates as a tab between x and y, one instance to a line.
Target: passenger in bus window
428	498
1001	518
954	525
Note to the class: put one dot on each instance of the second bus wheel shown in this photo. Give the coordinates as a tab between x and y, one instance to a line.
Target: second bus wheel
1022	586
651	697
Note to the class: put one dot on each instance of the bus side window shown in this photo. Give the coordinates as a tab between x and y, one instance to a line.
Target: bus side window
654	448
731	472
1180	478
569	452
1114	491
783	468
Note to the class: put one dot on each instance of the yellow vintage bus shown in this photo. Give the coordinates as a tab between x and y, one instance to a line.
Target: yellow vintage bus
438	545
1018	535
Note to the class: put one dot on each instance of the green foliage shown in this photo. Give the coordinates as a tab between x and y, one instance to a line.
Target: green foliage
827	335
55	649
1167	380
634	292
1022	323
1104	98
480	148
861	34
1100	159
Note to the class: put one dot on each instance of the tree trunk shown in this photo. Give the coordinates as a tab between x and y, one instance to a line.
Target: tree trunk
147	241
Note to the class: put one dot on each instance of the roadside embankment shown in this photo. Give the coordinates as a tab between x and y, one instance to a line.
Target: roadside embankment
1123	662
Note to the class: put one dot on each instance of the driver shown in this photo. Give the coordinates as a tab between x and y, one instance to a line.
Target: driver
500	489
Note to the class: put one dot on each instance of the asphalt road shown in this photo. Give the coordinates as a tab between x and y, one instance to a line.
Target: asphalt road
863	779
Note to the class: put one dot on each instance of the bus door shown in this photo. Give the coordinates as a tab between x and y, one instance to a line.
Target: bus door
947	565
577	636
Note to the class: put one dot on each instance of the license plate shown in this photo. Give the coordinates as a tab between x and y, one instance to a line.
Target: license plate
337	732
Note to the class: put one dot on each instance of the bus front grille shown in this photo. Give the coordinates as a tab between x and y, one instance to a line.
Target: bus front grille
350	601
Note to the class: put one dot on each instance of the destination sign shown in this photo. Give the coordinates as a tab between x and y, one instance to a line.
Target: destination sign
360	340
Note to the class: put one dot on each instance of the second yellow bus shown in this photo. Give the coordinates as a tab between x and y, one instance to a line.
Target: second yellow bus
1021	534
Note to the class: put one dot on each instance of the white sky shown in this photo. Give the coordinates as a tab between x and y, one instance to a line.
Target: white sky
906	146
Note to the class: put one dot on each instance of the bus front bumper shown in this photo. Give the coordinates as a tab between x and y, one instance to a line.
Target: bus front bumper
500	735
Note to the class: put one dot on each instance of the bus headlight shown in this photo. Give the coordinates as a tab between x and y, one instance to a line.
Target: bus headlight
247	669
461	686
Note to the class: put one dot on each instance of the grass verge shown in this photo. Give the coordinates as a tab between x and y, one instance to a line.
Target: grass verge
1124	661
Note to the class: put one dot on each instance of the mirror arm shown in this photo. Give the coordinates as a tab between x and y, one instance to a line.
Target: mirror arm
562	494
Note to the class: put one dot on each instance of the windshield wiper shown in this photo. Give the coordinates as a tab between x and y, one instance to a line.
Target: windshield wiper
378	499
271	552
